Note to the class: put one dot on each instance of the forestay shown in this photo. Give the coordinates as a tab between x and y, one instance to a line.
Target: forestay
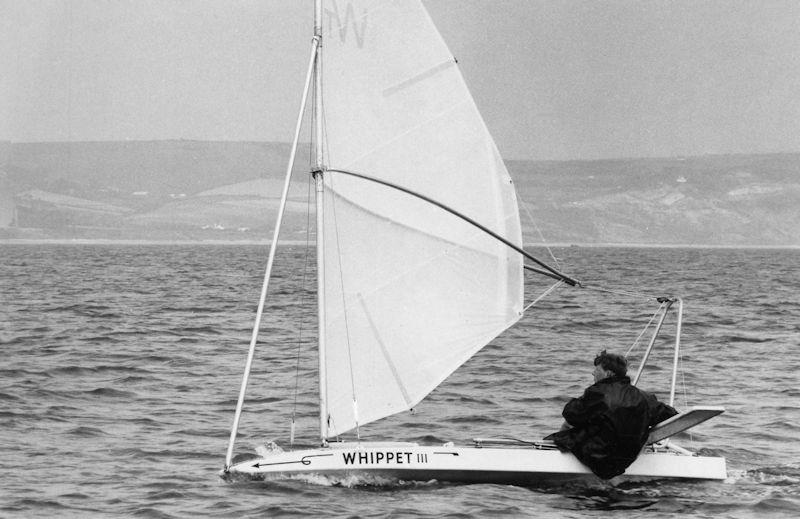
410	291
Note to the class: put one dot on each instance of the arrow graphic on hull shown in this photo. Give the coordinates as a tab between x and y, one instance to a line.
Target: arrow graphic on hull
304	461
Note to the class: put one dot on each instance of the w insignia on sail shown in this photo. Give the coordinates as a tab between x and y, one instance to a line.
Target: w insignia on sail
335	24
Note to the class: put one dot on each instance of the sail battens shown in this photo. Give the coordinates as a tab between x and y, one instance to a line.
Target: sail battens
386	354
419	77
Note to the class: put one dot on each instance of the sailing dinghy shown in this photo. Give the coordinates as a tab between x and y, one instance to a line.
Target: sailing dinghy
419	259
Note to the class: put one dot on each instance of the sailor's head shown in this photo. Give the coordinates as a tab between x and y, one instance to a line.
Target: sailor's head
608	365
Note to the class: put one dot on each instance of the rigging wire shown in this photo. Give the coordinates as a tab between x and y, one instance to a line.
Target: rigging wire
320	113
543	295
627	293
646	327
326	151
304	282
344	307
544	243
303	299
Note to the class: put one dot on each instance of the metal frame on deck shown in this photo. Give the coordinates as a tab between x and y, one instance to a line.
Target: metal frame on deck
667	302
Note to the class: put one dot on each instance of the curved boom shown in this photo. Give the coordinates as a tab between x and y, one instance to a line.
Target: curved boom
548	270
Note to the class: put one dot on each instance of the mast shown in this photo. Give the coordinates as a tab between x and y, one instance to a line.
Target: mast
319	167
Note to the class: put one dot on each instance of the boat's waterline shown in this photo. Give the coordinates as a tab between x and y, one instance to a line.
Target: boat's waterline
413	462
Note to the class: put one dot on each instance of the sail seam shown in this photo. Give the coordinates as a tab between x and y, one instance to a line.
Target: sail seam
344	199
409	130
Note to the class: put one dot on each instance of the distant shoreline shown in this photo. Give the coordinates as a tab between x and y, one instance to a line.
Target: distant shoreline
284	243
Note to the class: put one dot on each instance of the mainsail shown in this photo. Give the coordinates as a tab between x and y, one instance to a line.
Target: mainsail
410	291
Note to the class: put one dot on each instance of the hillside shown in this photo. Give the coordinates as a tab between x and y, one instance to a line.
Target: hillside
190	190
714	200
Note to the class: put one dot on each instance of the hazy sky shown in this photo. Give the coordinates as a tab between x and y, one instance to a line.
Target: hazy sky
553	79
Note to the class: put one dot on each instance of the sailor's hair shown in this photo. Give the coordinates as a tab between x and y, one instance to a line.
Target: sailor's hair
612	362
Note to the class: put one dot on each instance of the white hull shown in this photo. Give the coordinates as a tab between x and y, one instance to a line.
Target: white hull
412	462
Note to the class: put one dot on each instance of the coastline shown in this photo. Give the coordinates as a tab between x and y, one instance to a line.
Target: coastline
294	243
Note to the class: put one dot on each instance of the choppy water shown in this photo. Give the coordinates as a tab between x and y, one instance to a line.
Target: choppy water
121	367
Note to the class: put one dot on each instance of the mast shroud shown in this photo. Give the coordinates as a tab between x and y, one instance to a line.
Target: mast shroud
270	261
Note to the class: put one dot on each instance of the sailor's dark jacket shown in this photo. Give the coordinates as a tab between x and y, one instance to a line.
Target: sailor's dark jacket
610	425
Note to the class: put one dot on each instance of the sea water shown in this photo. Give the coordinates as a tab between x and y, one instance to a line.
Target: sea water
121	366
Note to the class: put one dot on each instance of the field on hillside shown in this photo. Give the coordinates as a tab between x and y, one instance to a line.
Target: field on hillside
190	190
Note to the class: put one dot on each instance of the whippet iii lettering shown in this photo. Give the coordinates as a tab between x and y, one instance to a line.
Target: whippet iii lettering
383	458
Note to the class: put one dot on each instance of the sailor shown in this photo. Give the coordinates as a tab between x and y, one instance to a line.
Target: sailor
607	427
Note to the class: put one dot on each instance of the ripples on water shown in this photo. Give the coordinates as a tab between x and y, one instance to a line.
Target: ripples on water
121	367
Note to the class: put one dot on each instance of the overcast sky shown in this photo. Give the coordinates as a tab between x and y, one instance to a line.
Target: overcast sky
553	79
